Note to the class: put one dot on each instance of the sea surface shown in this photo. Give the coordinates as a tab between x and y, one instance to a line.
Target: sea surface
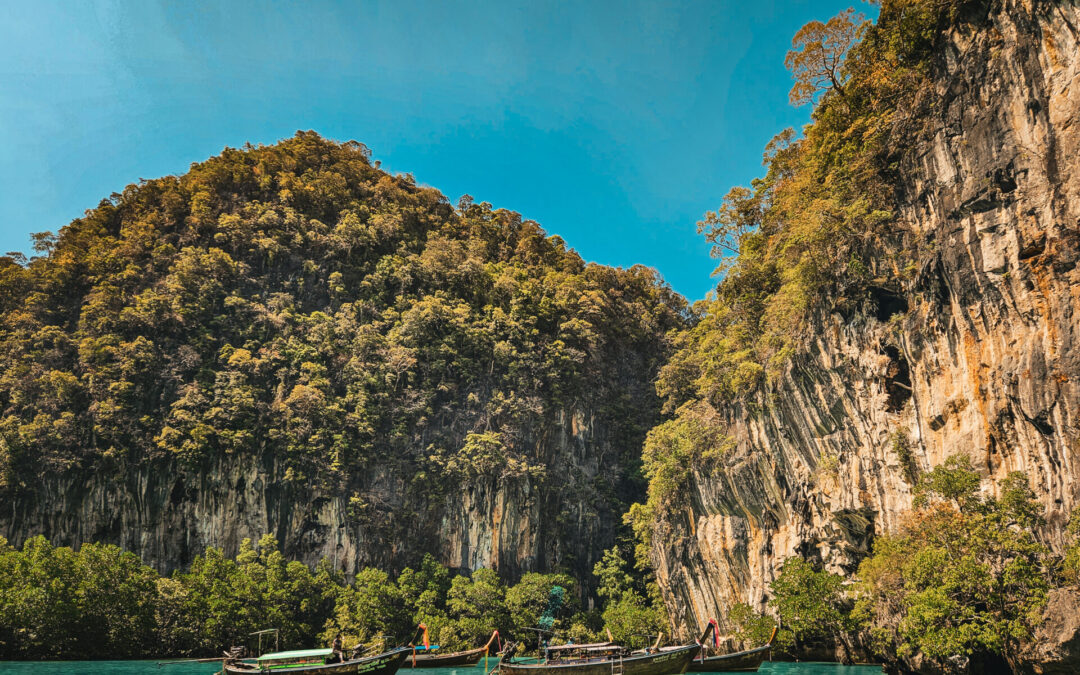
148	667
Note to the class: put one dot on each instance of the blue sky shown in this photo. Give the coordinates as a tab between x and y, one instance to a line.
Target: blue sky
614	125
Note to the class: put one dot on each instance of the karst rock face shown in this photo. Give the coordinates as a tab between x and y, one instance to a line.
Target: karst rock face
168	516
977	353
287	340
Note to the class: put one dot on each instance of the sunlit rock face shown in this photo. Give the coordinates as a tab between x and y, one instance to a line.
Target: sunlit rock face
977	353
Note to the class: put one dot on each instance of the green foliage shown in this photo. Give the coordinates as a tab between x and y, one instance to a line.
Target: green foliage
101	602
1071	560
633	610
219	601
56	603
673	451
901	446
294	302
953	481
613	575
372	606
810	603
425	589
635	620
527	601
478	606
752	628
485	455
965	575
460	611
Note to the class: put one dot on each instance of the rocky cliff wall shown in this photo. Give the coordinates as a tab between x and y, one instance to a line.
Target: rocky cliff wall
974	354
168	515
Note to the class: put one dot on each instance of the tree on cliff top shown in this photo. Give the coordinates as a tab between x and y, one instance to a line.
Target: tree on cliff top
817	60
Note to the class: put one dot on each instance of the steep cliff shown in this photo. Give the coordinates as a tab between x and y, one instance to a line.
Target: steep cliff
965	344
288	340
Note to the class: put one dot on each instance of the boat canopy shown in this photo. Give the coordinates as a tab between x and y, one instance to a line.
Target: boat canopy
592	647
298	654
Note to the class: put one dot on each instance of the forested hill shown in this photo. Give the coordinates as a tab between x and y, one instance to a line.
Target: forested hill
287	339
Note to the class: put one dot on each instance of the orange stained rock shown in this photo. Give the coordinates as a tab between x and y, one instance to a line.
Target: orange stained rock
973	356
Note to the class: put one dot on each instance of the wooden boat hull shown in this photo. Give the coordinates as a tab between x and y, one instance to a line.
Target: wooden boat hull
747	661
467	658
668	662
386	663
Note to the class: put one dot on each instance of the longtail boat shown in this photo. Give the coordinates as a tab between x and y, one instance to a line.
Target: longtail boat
422	656
745	661
606	658
315	661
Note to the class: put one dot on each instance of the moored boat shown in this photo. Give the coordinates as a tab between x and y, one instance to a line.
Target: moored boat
745	661
315	661
606	658
423	657
668	662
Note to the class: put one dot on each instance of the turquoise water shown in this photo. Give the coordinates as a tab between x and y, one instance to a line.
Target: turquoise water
148	667
810	668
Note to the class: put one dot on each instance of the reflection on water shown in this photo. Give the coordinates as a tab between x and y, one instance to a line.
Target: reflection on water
814	668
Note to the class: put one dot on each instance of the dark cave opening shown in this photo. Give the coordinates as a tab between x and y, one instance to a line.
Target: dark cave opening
887	303
897	379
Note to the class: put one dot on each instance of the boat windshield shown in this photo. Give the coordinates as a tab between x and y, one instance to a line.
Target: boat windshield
300	657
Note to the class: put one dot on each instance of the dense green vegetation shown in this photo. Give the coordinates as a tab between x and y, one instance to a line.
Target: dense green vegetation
296	302
293	309
633	607
296	307
102	602
814	235
965	577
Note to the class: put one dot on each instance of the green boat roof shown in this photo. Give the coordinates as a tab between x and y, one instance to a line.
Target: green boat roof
298	654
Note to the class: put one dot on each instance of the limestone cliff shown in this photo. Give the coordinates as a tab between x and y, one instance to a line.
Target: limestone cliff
288	340
975	352
168	515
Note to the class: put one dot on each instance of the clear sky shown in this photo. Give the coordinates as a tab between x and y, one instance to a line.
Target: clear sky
614	125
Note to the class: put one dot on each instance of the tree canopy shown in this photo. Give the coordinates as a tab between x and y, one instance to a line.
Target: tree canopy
965	575
102	602
295	299
295	305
